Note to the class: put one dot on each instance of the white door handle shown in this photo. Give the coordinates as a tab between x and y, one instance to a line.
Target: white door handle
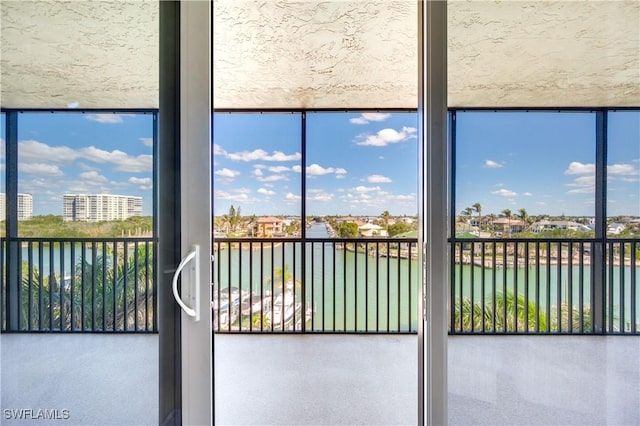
195	311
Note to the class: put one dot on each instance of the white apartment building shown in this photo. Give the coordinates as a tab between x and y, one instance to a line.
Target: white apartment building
100	207
25	206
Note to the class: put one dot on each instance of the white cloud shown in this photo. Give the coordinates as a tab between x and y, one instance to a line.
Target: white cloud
386	137
93	177
146	141
527	194
80	187
217	150
228	173
318	170
577	168
257	171
366	117
265	191
40	169
140	181
340	173
297	169
364	189
583	185
622	169
34	151
123	161
31	150
584	190
378	179
292	197
106	118
320	196
272	178
143	183
490	164
410	197
262	155
278	169
223	195
85	167
504	193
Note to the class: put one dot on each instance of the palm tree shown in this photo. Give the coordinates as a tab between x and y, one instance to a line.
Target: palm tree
507	213
478	208
99	296
466	213
495	315
522	214
234	217
385	217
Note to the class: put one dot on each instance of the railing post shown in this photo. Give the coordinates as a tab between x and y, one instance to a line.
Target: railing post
598	270
13	258
303	226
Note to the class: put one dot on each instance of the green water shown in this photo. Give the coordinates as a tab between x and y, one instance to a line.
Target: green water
347	291
552	286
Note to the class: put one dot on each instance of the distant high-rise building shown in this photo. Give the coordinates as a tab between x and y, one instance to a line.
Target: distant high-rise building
25	206
100	207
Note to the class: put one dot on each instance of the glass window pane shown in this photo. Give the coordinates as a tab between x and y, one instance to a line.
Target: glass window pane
363	165
623	174
256	174
521	172
82	175
3	187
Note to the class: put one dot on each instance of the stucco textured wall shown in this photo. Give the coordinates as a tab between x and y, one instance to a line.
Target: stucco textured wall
329	54
91	54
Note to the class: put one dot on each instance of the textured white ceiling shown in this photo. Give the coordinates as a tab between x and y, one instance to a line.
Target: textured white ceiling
98	54
329	54
544	53
315	54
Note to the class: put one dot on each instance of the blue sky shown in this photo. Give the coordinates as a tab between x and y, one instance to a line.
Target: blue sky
361	164
545	162
87	153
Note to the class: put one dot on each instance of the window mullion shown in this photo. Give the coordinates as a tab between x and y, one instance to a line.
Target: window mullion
599	262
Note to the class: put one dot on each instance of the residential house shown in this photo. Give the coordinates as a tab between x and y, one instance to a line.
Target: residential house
372	230
550	225
507	225
269	226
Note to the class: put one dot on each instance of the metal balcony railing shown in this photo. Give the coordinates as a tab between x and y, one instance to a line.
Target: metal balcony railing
551	286
328	285
319	285
78	285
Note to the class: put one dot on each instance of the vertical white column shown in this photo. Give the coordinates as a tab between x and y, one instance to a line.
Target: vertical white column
195	198
432	112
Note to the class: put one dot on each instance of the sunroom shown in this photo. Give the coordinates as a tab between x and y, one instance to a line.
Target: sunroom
181	183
